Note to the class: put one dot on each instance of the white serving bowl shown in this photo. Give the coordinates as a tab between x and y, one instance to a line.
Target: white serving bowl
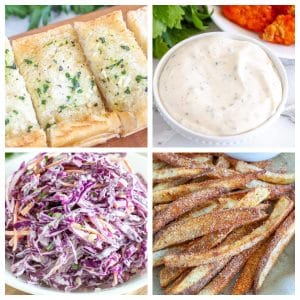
138	163
252	157
219	140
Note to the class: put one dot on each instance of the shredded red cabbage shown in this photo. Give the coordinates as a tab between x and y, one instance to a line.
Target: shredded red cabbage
76	221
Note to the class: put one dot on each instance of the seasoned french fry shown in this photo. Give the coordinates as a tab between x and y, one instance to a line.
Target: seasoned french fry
191	228
159	207
220	282
167	275
193	280
278	243
280	211
159	165
188	202
268	176
222	162
245	280
169	184
172	193
169	174
177	160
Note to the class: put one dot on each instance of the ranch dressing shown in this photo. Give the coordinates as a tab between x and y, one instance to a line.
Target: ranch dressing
220	86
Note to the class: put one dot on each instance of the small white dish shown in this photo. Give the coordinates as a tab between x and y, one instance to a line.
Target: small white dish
219	140
138	163
228	26
253	156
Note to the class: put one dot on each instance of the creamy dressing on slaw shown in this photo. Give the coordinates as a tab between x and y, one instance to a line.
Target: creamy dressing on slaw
220	86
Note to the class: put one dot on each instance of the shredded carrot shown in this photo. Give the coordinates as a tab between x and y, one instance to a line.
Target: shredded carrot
27	208
19	233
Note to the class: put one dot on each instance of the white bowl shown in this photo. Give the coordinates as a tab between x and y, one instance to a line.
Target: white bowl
219	140
252	157
138	163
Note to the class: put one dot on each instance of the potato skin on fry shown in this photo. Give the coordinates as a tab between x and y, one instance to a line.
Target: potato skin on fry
282	208
186	203
278	243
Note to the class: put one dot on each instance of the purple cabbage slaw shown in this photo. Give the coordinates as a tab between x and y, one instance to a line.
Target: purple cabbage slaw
76	221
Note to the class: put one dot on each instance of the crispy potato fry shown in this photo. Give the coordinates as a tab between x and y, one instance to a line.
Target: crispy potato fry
193	280
280	211
177	160
245	280
159	165
188	202
167	275
171	194
169	184
278	243
220	282
159	207
169	174
268	176
222	162
188	229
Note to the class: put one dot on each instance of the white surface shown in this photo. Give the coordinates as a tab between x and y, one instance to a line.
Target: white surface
138	163
226	25
281	134
219	140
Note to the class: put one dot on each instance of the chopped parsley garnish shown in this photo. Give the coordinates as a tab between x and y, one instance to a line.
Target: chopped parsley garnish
38	90
16	112
6	121
21	97
13	67
45	87
123	72
127	91
29	128
115	64
75	267
139	78
75	82
6	51
92	83
28	61
48	125
44	102
61	108
50	247
102	39
125	47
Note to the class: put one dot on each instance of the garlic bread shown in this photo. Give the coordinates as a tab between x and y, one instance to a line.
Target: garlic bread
63	90
119	66
21	126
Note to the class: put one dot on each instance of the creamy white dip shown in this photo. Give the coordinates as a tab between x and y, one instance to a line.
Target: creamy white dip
220	86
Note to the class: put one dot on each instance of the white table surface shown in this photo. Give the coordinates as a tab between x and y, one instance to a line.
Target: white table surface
281	134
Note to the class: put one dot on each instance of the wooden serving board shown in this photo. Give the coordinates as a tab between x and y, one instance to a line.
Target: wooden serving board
138	139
